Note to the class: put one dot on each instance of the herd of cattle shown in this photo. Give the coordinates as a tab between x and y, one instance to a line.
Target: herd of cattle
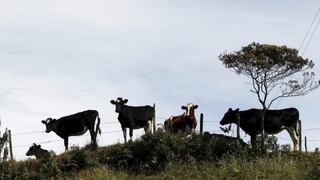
135	117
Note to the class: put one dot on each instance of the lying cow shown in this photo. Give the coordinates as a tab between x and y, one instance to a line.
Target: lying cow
74	125
182	122
275	121
134	117
36	150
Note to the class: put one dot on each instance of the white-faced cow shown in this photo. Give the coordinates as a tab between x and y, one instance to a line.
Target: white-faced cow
74	125
275	121
134	117
182	122
36	150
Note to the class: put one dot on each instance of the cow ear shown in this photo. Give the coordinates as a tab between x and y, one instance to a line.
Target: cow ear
230	109
183	107
113	102
195	106
125	101
44	122
237	110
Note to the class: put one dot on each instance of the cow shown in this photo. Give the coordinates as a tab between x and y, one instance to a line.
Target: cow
214	136
182	122
274	122
134	117
74	125
36	150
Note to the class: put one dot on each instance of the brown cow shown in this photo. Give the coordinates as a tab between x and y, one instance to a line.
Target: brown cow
183	122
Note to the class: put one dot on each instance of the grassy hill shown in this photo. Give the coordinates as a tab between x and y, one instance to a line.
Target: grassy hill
163	156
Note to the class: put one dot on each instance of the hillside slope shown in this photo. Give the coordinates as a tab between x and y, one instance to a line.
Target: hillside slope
164	156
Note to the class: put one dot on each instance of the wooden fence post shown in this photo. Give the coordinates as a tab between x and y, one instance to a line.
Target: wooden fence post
305	144
300	136
201	123
154	119
10	145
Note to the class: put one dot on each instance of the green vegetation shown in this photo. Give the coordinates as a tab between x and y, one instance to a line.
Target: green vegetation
164	156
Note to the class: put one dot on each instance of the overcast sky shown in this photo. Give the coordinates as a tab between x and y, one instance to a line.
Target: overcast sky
62	57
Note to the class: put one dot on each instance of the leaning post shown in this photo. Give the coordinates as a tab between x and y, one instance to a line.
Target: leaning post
10	145
305	144
154	118
201	123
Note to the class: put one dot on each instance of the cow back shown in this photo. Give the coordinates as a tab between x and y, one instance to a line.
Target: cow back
275	120
76	123
136	116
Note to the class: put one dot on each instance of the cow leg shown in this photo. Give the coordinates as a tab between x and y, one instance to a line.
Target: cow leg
66	140
93	137
294	137
253	139
188	129
130	133
124	130
148	127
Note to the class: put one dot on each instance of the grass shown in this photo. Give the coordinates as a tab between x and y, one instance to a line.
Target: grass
164	156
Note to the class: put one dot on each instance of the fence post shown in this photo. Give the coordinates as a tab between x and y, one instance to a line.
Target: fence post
201	123
305	144
300	136
238	126
154	119
10	145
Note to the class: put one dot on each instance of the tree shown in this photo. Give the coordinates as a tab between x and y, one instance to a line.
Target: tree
271	67
268	67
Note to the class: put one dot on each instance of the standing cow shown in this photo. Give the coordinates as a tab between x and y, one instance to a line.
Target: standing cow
36	150
74	125
182	122
274	122
134	117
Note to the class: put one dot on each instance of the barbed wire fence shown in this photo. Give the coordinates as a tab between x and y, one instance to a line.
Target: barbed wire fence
157	117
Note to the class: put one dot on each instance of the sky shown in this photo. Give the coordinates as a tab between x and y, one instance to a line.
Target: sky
61	57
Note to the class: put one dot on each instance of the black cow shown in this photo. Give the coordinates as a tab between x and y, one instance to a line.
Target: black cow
36	150
275	121
74	125
134	117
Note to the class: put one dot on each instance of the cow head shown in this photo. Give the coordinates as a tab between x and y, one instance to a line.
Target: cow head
229	117
33	150
119	103
50	124
189	109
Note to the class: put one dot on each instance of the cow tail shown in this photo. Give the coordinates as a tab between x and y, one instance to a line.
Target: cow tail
98	130
298	128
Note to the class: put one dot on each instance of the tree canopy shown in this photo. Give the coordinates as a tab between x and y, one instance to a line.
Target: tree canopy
268	66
